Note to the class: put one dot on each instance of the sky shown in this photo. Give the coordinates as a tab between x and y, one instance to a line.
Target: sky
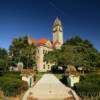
35	17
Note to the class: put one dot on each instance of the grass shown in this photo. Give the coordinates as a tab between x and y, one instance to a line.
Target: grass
39	75
58	75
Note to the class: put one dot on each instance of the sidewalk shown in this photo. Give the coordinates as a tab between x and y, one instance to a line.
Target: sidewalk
50	88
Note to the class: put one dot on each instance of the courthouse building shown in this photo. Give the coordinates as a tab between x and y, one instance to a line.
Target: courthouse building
44	45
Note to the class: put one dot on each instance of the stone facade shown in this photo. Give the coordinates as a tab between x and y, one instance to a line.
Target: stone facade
41	64
44	46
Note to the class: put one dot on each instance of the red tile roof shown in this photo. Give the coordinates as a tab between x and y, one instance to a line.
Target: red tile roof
40	41
27	71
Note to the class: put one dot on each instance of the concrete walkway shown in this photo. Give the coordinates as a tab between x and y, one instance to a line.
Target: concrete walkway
50	88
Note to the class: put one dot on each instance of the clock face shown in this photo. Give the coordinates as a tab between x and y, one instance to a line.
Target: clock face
57	29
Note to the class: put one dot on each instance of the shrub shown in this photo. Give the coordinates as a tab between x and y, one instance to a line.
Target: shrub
11	84
14	74
24	86
89	85
55	69
10	87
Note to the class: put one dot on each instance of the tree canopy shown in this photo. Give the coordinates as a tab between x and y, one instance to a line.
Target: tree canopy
3	59
77	52
21	51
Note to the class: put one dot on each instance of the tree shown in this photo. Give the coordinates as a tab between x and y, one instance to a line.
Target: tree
52	56
2	65
28	55
82	52
3	60
3	53
69	55
21	51
74	41
77	52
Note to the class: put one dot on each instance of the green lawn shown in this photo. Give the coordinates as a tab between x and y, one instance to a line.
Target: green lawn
39	75
59	76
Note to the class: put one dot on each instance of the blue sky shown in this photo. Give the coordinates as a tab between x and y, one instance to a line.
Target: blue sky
35	18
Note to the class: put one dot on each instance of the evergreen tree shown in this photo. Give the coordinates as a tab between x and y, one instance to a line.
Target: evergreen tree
21	51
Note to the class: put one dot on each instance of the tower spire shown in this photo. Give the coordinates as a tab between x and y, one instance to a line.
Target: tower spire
57	33
57	22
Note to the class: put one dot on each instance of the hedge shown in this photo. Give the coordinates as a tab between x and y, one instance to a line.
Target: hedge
89	85
10	84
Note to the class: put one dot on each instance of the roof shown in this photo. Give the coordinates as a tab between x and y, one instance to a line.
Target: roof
71	70
27	71
40	41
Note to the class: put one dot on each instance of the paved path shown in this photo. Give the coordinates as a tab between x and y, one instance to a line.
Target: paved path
50	88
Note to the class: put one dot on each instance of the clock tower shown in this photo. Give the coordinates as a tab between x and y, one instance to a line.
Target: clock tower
57	34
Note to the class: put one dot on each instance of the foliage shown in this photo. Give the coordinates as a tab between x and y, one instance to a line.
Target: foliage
3	53
21	51
69	55
3	60
11	87
52	56
24	86
89	85
88	53
2	63
11	84
13	74
39	75
55	69
77	52
79	42
58	75
64	79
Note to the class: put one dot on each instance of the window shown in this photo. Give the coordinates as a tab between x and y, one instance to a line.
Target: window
43	51
48	66
37	50
44	66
